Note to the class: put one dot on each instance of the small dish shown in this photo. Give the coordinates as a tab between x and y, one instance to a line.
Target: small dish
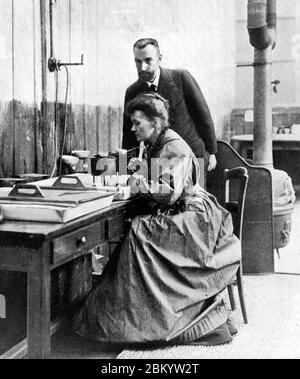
81	154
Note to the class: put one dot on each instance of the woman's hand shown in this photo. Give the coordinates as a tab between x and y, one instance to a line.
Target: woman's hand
137	166
138	185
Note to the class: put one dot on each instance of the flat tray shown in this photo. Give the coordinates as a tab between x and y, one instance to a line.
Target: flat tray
52	196
22	210
30	203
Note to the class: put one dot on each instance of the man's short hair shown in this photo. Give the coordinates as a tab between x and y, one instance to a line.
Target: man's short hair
144	42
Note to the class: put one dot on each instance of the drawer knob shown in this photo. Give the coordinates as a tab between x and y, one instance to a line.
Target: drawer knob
82	241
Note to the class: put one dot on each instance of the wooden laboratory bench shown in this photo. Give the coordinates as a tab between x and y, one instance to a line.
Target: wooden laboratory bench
37	249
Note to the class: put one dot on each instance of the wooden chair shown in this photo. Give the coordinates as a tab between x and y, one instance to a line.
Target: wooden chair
235	188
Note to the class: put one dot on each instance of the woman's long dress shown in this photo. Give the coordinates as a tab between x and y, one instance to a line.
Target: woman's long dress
164	283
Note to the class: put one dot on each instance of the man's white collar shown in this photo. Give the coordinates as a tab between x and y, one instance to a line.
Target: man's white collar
155	81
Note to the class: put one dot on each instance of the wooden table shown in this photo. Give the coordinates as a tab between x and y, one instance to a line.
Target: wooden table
244	143
37	249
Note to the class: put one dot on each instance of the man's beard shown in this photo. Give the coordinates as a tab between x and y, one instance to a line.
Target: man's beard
146	76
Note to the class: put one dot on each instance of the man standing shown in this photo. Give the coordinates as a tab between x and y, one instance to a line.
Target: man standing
189	114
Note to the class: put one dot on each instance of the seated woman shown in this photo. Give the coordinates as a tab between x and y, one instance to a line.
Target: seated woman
165	283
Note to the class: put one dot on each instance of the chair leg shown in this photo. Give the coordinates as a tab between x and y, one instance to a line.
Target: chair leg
241	295
231	297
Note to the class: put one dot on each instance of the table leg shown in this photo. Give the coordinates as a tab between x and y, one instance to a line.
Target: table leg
39	313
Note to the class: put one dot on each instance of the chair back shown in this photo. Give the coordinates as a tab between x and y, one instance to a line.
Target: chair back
235	189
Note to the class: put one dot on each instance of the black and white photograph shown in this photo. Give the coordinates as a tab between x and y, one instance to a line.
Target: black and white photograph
149	182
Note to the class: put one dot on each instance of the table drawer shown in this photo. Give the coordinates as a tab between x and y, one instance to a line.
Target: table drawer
79	241
116	225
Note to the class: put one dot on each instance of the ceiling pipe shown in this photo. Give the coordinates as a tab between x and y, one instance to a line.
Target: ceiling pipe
262	23
51	11
262	28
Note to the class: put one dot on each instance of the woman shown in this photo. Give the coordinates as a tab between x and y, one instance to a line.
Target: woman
164	284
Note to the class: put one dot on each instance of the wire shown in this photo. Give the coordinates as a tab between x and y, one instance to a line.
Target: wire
55	121
65	120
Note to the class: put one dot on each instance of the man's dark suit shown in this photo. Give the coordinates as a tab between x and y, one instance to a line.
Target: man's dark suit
189	113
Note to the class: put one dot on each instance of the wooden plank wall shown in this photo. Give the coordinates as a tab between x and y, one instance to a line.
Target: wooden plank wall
23	124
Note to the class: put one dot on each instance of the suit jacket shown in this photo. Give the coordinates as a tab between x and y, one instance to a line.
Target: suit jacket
189	113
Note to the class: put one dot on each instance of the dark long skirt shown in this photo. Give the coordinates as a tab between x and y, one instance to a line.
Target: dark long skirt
165	282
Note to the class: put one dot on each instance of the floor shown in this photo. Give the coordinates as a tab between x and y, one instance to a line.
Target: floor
273	332
67	345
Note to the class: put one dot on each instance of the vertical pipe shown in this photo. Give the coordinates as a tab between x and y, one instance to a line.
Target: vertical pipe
43	8
296	52
262	22
35	89
263	144
69	137
84	83
13	88
272	14
98	67
51	5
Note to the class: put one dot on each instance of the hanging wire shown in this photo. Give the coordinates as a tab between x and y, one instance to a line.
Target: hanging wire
55	122
65	120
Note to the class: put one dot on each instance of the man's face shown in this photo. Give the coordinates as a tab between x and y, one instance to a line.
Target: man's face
147	62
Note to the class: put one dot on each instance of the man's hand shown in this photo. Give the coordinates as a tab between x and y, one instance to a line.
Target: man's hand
212	163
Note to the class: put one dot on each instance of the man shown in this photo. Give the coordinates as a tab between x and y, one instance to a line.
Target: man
189	113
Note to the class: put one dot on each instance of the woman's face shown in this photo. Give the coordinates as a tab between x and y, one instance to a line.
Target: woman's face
142	127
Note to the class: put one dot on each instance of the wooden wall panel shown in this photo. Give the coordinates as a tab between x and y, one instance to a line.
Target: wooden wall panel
23	87
114	128
91	82
29	141
77	42
103	128
61	28
6	85
37	69
6	139
6	22
79	141
20	81
104	31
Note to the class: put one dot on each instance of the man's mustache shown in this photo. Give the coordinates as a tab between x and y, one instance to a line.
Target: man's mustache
145	73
